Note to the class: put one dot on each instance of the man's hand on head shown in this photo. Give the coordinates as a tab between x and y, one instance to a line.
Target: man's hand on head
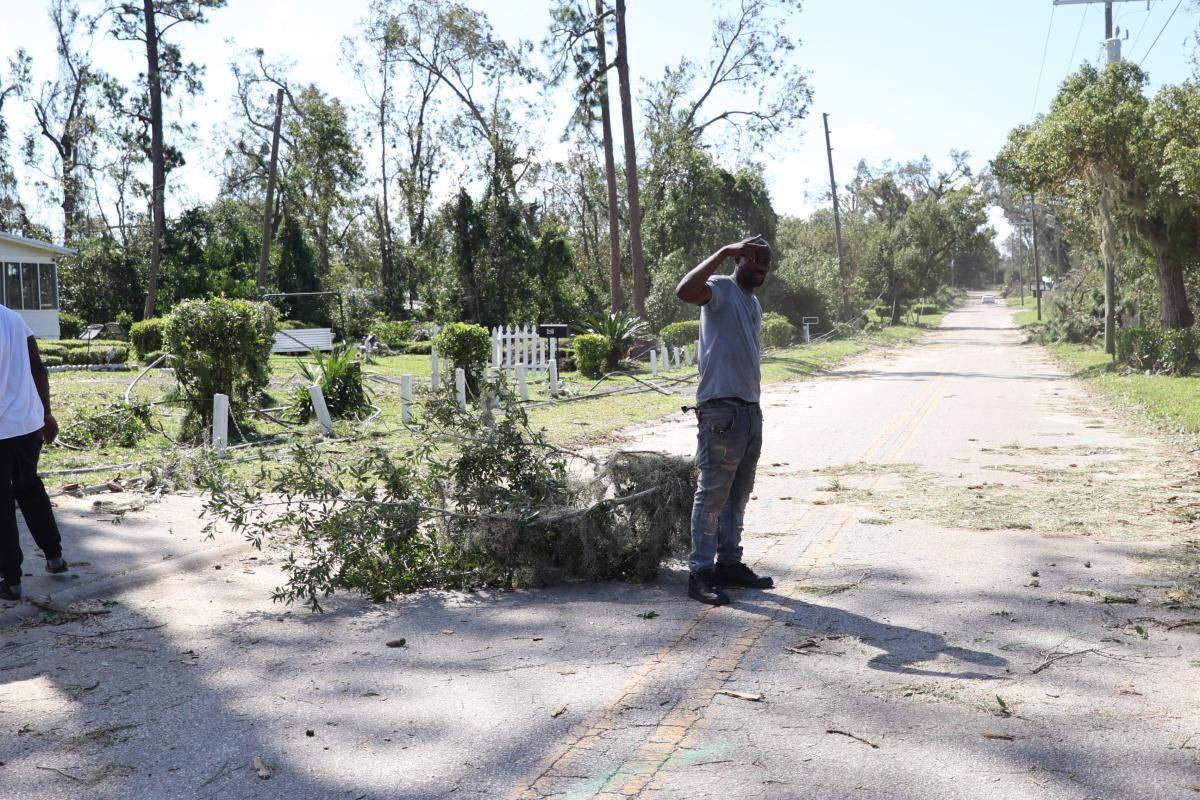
752	248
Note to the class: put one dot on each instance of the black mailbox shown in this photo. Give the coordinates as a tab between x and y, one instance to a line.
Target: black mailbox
552	331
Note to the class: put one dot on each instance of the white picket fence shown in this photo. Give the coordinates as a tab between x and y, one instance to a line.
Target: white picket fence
515	346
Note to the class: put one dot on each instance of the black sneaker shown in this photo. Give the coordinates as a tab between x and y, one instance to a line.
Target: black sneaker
741	576
10	591
700	588
56	566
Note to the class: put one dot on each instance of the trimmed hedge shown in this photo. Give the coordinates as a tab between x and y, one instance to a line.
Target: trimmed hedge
465	346
70	325
147	335
58	352
591	350
677	334
776	331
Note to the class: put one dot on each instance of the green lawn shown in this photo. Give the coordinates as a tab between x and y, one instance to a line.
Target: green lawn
1028	310
1169	401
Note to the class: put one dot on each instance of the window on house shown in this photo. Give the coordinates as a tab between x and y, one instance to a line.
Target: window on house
29	286
12	285
48	278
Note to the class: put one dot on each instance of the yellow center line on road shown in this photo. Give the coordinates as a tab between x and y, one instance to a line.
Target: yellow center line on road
683	724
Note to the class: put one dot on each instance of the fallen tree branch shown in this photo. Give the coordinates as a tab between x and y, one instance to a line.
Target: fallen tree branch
855	738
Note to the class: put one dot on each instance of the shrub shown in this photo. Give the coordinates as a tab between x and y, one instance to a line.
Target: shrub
80	352
924	309
465	347
1139	347
591	350
149	358
677	334
219	346
147	335
117	425
70	325
417	348
393	333
1177	354
619	328
339	375
776	331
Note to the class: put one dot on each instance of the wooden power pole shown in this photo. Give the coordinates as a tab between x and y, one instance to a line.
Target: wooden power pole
264	254
837	226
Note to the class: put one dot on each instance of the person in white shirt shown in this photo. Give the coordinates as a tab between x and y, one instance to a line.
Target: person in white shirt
25	424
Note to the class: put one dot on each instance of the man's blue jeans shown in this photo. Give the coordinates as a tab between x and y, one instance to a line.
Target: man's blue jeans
728	444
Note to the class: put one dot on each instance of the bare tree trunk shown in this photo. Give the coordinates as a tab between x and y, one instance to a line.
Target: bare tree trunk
610	169
631	170
158	168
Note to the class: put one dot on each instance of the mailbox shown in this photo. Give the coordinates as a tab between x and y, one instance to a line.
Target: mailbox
552	331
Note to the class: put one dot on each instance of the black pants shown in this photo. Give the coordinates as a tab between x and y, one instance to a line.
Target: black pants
19	482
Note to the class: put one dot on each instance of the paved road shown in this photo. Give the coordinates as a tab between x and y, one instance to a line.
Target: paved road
944	521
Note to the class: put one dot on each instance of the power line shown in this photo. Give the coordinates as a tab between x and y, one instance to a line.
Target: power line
1082	19
1041	70
1161	32
1141	28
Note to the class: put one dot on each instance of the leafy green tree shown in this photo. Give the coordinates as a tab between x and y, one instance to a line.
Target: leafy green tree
325	169
1102	137
101	280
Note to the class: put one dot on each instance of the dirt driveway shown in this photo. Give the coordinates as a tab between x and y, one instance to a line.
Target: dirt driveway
985	589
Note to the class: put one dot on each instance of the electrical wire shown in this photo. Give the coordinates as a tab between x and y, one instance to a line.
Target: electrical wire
1082	19
1042	69
1161	32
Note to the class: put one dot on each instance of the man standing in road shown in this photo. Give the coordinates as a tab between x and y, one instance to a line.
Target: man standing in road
729	437
25	423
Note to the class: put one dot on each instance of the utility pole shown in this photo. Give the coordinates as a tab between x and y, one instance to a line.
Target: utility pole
837	226
264	254
1037	265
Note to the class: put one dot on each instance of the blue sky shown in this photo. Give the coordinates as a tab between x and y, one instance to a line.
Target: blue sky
899	80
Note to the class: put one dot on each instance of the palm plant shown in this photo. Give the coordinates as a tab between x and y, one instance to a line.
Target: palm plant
620	329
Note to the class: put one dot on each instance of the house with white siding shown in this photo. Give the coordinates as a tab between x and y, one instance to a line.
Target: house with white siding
29	281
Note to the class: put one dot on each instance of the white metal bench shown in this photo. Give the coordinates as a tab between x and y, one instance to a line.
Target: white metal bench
303	340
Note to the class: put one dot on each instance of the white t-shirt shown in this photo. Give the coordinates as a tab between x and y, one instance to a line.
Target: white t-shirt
21	410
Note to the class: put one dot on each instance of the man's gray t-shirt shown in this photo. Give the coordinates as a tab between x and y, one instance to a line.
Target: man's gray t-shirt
729	325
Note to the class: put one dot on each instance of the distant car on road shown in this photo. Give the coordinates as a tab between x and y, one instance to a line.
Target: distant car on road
988	299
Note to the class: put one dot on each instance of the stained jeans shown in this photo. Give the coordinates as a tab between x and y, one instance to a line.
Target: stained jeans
19	482
728	444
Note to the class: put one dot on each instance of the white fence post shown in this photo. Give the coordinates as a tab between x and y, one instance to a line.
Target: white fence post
406	398
434	381
553	379
460	386
220	424
497	348
319	407
687	355
654	362
522	382
665	358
